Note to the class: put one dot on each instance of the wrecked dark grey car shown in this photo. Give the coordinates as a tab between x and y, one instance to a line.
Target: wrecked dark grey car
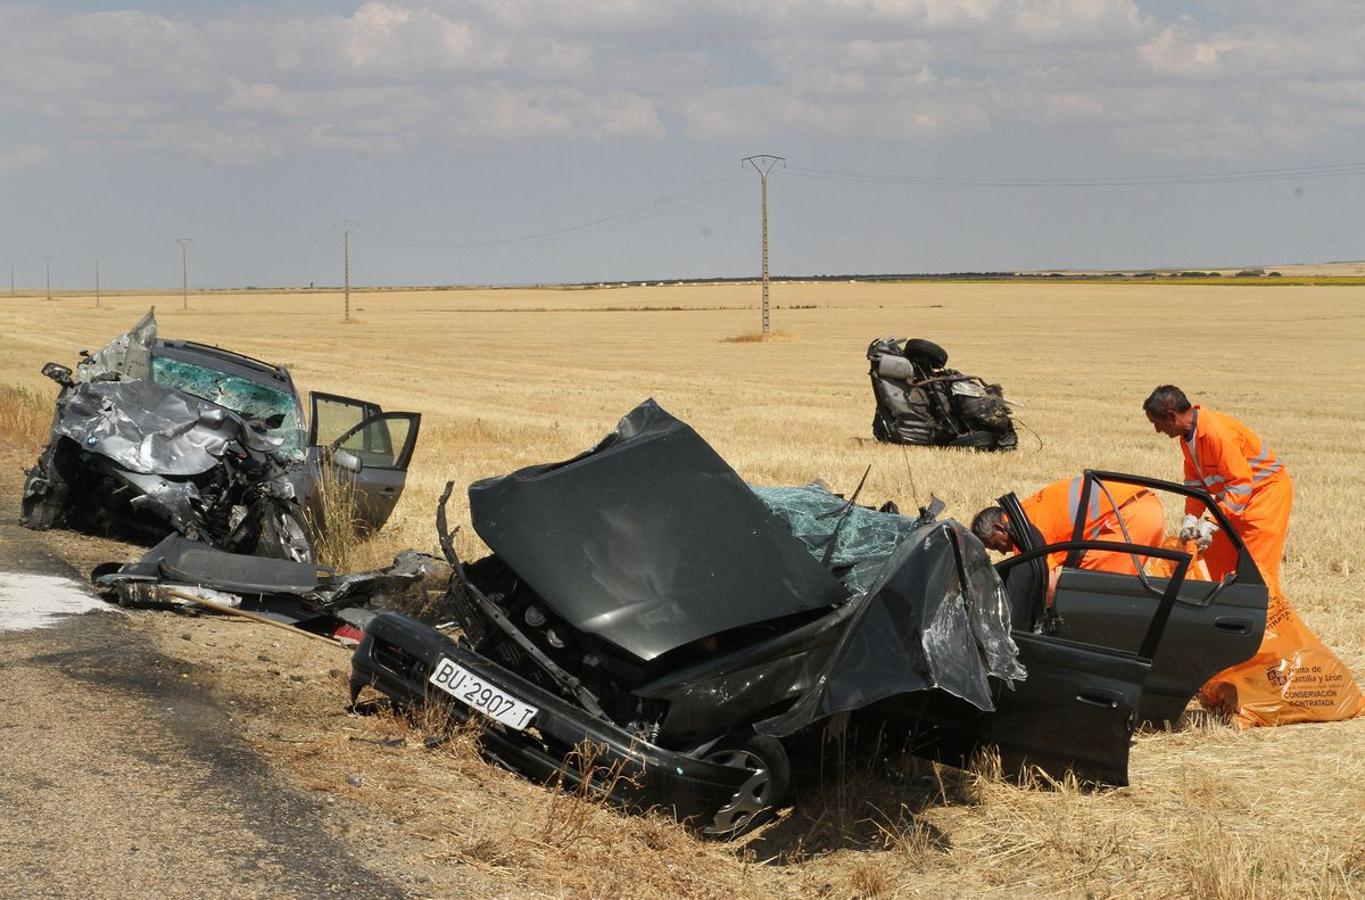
153	436
921	401
694	631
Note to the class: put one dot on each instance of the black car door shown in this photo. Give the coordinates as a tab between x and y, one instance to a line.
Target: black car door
1074	712
383	442
1212	625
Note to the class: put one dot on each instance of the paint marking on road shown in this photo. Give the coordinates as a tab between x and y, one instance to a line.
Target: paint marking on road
30	601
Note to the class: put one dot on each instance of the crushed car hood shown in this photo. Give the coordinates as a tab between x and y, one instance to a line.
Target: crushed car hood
649	540
151	429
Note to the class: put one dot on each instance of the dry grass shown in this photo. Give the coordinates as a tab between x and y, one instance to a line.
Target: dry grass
516	379
336	528
25	418
758	337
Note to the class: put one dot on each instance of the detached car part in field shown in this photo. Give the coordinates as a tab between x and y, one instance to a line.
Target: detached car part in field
152	436
311	597
920	401
641	598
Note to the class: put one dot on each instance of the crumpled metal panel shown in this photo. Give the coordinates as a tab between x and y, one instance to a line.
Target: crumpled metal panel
151	429
934	619
170	500
178	561
649	540
128	356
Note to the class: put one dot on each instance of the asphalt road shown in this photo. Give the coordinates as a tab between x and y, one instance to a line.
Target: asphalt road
120	778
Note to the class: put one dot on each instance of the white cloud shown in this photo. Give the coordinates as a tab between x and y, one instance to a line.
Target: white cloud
252	82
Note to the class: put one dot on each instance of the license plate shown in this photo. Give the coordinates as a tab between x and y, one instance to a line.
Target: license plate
482	694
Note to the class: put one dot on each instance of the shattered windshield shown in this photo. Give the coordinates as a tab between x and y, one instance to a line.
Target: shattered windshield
248	399
863	538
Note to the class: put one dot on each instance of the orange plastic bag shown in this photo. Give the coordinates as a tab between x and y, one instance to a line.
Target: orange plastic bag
1162	568
1292	678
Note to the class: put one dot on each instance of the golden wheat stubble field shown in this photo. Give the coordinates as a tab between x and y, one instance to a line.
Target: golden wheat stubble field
506	378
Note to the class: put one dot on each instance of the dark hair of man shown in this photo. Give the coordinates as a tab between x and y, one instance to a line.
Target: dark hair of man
985	522
1165	400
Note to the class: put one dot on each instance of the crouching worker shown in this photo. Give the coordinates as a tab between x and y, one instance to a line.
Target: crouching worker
1116	513
1293	677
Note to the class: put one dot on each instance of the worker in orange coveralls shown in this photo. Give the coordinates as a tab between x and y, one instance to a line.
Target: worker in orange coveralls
1251	485
1293	677
1122	513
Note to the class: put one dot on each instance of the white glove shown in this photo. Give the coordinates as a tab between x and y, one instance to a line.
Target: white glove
1189	529
1207	530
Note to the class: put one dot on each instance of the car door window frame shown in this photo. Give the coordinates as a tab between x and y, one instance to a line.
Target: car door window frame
404	456
1246	571
1152	638
368	410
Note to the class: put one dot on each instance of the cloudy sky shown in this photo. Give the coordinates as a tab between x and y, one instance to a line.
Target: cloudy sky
516	141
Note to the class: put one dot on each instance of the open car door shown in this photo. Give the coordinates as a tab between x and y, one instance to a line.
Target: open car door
1212	625
1076	710
383	441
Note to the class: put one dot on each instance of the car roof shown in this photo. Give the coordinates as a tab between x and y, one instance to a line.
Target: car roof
228	361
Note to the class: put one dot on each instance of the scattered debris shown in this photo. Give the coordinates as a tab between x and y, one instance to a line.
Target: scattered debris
276	592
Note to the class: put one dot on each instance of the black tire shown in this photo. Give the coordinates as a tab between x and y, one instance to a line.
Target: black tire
926	353
757	799
284	535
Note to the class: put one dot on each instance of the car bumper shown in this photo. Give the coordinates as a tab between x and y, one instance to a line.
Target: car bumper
398	655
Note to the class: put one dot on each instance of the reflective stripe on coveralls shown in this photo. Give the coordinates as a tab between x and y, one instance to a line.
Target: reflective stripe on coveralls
1053	512
1251	485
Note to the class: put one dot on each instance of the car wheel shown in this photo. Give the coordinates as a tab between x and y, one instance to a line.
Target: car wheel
283	536
926	353
770	775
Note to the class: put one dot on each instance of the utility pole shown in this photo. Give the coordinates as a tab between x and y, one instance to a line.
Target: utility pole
184	271
97	282
47	263
347	225
11	279
763	164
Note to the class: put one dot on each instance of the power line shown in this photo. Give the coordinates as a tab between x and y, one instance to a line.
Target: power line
670	203
1233	177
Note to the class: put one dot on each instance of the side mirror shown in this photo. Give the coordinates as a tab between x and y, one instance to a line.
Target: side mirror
345	459
58	373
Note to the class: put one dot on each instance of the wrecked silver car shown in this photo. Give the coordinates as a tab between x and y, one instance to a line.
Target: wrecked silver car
696	632
154	436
